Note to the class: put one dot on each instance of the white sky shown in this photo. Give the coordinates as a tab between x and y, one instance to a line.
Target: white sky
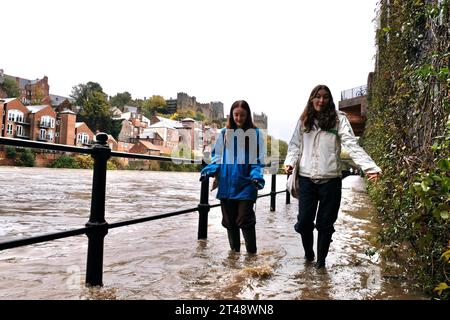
270	53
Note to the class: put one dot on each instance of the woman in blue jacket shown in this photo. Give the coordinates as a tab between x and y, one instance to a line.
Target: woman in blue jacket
237	164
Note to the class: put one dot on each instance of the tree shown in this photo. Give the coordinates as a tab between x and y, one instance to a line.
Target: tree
219	122
81	92
95	112
120	100
199	116
116	126
38	97
181	114
282	147
11	88
94	106
154	104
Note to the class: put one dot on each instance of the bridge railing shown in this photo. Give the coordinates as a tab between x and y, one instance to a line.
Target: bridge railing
354	92
97	227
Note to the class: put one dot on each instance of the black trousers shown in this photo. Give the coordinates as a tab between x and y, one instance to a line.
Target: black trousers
323	199
237	213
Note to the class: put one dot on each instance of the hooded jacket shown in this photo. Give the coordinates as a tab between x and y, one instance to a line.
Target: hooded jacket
319	150
236	166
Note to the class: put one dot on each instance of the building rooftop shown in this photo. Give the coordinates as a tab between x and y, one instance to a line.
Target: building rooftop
34	109
166	123
7	100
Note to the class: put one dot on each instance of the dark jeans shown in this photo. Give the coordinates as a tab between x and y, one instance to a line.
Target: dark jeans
327	196
237	213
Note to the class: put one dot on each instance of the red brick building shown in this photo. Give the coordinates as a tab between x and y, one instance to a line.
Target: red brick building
31	91
42	123
14	119
83	135
146	147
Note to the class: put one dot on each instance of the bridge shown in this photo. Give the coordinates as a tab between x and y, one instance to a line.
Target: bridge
354	104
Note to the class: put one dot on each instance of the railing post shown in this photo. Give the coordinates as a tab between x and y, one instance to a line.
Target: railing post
288	195
203	209
273	194
98	225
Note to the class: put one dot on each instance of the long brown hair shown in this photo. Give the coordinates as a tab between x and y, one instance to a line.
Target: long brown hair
326	118
248	122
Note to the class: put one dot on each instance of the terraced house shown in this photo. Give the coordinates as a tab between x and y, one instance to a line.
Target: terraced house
42	123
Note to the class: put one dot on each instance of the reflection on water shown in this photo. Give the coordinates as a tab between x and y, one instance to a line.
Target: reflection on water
162	259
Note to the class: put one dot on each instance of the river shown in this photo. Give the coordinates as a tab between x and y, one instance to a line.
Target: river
163	259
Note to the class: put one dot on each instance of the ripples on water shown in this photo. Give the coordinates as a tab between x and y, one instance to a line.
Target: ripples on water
162	259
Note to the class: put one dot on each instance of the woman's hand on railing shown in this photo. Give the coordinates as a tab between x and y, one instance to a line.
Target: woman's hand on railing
258	185
373	176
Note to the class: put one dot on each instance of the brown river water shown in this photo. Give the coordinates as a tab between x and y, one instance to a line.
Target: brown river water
163	259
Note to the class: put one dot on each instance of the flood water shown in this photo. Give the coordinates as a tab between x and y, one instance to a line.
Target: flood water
163	259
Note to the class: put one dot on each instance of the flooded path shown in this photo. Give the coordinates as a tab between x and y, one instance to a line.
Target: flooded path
162	259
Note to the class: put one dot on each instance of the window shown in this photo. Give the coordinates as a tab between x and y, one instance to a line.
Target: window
19	131
9	129
50	135
83	138
47	121
15	115
42	134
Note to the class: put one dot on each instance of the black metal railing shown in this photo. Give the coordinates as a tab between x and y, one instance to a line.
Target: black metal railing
354	92
97	227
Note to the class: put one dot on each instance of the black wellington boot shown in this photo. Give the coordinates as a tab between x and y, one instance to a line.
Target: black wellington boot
323	244
308	241
234	239
250	239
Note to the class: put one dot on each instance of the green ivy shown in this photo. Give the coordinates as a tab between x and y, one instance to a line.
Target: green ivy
408	134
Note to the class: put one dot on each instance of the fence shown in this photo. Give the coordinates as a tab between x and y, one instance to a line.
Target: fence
97	228
354	92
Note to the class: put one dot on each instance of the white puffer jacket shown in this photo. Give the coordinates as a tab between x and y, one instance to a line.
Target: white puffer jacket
319	151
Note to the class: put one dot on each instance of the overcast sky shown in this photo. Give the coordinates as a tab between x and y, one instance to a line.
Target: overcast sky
270	53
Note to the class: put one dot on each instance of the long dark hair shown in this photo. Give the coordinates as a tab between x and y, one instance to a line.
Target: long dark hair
326	118
248	122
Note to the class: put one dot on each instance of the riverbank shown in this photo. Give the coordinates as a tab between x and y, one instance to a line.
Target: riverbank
26	157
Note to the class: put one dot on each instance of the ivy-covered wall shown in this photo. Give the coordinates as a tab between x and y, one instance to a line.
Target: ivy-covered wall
408	134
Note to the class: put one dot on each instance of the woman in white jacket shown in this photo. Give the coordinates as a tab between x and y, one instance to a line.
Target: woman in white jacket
315	147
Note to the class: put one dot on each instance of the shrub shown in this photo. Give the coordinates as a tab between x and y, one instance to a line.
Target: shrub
84	161
27	158
10	152
65	162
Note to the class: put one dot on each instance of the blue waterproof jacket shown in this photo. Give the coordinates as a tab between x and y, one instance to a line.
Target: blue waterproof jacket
237	170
